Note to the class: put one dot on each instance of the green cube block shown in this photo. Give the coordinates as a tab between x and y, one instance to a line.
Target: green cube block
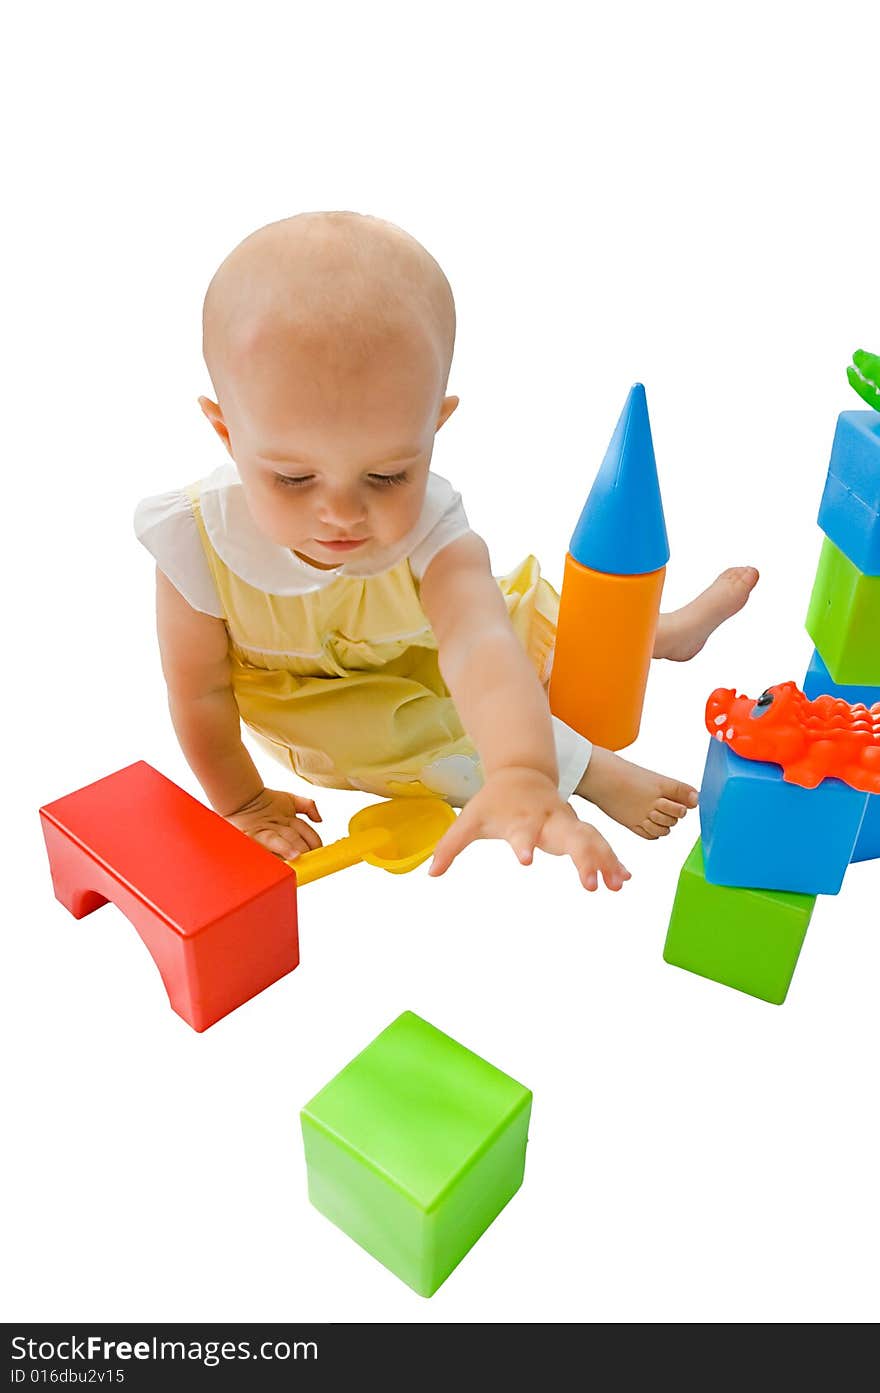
414	1148
844	619
748	939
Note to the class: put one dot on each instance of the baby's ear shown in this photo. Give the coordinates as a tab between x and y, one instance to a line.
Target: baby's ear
215	416
448	406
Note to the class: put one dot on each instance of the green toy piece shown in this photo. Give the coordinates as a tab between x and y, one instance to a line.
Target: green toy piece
747	939
414	1148
843	619
864	376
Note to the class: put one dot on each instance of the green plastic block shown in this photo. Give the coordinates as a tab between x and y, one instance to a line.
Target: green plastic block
414	1148
748	939
844	619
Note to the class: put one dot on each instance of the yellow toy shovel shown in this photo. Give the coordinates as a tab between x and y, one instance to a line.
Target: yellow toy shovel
396	835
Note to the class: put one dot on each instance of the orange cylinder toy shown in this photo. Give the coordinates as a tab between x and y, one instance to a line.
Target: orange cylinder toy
604	644
610	602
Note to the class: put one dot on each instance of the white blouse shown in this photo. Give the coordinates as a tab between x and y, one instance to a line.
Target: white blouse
166	526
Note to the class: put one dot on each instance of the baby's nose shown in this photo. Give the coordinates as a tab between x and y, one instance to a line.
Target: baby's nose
342	509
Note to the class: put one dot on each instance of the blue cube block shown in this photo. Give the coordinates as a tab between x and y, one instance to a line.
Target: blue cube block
762	832
818	683
850	510
867	846
855	455
852	526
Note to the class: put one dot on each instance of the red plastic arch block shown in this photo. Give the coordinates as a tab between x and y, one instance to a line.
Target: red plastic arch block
215	909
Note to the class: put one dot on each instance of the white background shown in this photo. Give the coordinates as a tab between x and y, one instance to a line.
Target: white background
682	194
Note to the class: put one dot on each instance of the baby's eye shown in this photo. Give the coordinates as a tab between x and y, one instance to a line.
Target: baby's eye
388	480
294	480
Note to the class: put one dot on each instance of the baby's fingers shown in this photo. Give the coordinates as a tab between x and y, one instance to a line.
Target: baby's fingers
591	855
308	808
305	836
594	854
288	842
523	837
462	832
614	872
278	844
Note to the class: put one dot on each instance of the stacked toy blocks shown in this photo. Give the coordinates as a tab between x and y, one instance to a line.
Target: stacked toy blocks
414	1148
769	843
844	614
760	831
849	514
748	939
818	682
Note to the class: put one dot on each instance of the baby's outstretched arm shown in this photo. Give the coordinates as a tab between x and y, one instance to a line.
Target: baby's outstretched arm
504	710
195	662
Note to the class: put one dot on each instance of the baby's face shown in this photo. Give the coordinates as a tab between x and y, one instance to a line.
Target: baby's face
334	460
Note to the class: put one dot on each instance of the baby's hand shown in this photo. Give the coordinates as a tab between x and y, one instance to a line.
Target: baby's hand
523	807
271	820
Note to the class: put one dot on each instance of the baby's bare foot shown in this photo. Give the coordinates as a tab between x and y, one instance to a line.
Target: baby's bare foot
681	634
648	804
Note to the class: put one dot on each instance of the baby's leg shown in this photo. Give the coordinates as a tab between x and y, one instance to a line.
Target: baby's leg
681	634
648	804
651	804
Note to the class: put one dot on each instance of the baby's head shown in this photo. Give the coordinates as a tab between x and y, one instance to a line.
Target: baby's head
328	338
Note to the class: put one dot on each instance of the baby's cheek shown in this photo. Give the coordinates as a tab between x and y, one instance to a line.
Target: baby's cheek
276	515
401	516
282	526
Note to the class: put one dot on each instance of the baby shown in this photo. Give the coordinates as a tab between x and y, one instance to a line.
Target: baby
325	587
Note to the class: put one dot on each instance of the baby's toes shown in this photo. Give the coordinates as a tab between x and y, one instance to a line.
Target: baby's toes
746	576
660	829
650	830
739	582
680	796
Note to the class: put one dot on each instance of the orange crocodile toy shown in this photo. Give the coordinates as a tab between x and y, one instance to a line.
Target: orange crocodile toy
811	740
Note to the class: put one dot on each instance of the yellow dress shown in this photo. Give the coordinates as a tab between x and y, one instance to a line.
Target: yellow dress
342	683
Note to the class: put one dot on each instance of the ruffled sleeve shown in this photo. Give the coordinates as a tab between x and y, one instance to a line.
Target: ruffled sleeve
167	528
450	525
